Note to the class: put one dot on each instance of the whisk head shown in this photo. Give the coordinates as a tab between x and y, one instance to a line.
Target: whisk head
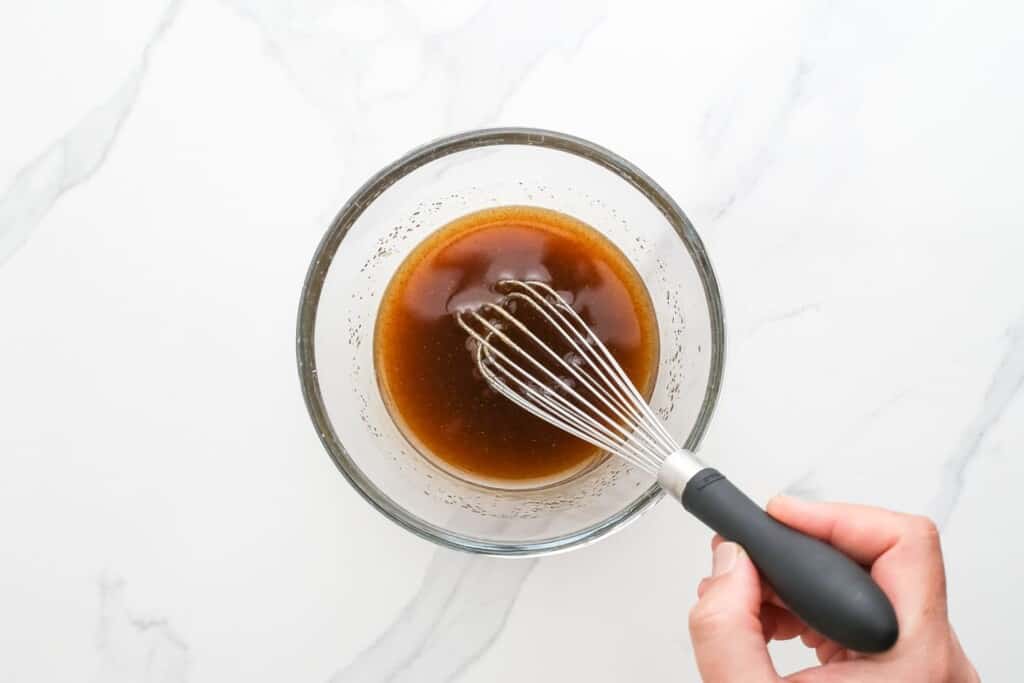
536	350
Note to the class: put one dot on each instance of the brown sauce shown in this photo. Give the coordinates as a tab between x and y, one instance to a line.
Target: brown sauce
427	373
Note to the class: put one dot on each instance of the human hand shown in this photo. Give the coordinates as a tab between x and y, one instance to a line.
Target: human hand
736	614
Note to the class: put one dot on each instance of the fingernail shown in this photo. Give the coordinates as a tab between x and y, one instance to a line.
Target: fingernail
724	558
785	499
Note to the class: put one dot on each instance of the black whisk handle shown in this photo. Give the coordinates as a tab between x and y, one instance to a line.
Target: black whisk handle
830	592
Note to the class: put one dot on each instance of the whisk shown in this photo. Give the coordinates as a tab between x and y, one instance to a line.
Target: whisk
555	367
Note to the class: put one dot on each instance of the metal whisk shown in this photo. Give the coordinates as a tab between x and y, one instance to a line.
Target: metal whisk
575	384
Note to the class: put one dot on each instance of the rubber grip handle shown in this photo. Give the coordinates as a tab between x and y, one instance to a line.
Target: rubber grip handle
834	595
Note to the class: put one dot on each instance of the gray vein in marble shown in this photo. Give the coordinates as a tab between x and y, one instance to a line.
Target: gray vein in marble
327	69
1004	386
133	649
457	613
76	156
807	485
566	26
750	173
767	321
718	120
830	62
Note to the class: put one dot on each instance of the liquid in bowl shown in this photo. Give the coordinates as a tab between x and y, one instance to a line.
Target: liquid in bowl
426	369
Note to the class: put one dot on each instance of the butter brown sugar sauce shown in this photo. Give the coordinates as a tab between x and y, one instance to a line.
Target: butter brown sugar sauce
425	364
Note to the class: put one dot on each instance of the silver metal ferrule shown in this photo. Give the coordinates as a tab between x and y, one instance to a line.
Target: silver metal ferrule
677	470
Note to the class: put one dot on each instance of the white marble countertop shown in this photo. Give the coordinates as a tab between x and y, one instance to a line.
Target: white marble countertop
167	168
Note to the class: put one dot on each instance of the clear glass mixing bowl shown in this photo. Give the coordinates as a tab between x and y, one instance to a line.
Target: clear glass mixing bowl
377	229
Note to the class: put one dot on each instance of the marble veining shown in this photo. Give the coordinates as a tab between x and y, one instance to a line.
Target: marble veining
74	157
781	317
1003	389
822	63
135	649
458	612
431	67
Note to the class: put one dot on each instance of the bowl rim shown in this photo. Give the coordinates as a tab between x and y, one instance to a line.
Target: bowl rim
350	213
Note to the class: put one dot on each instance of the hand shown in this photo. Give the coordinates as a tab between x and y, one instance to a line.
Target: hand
736	614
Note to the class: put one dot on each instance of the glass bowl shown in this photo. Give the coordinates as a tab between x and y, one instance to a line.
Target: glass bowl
376	230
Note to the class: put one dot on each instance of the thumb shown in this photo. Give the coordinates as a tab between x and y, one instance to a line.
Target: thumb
725	624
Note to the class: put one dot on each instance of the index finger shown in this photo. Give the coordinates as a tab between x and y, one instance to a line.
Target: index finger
863	533
902	550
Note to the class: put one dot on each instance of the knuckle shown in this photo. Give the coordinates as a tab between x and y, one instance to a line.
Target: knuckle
924	527
707	618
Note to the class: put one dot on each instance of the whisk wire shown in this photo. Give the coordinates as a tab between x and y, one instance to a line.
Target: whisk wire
582	352
613	415
616	375
618	403
554	405
619	409
574	423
